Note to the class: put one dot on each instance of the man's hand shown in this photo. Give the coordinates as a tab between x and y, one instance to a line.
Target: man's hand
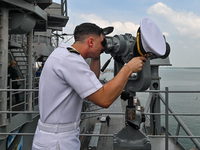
136	64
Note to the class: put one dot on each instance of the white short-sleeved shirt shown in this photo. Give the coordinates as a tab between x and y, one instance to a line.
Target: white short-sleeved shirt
65	81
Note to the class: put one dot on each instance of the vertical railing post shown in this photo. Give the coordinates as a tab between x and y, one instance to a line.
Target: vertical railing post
62	8
4	22
25	93
65	8
30	73
177	132
10	99
166	117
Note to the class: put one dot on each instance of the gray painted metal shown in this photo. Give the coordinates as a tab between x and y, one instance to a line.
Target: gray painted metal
21	23
3	62
28	7
160	62
94	139
131	139
155	121
30	70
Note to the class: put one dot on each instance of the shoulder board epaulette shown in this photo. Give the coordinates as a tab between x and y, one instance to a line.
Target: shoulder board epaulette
72	50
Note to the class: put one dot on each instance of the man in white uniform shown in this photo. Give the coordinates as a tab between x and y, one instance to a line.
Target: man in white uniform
66	80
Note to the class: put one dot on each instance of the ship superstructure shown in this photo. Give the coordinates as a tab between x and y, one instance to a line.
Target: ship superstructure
26	37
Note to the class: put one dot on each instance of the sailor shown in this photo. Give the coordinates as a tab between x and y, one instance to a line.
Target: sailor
66	79
108	120
14	75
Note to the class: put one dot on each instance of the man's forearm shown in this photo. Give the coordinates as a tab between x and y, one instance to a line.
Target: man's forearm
105	96
95	66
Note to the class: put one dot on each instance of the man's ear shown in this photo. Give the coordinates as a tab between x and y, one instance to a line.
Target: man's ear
90	41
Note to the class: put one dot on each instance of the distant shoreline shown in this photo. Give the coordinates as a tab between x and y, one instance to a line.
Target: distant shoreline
160	67
164	67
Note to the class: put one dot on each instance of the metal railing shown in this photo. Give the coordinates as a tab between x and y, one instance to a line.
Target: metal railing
21	82
166	114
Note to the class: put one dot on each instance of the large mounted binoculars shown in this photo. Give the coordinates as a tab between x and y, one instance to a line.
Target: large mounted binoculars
149	42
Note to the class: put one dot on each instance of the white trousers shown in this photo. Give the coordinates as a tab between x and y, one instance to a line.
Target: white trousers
56	137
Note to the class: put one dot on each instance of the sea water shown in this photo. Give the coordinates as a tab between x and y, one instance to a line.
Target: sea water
183	79
178	79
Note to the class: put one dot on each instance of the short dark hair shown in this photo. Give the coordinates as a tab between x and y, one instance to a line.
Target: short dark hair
84	29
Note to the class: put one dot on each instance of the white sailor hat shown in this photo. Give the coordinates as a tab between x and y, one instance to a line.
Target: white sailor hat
150	39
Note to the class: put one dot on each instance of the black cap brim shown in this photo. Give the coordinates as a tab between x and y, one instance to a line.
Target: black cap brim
107	30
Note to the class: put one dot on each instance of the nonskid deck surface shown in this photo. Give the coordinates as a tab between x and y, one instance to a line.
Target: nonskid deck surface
159	144
117	123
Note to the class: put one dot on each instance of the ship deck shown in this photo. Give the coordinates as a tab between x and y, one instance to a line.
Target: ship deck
117	122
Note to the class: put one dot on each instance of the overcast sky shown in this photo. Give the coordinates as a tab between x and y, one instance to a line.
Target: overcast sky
179	21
